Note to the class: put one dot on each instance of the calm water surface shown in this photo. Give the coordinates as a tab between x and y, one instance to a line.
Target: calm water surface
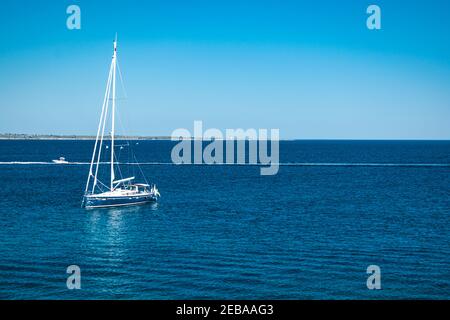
227	232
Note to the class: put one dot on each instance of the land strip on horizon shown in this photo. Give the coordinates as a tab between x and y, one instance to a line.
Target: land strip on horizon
24	136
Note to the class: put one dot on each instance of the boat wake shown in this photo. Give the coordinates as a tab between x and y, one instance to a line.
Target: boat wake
293	164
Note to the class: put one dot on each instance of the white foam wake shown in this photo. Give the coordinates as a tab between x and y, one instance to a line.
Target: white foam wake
298	164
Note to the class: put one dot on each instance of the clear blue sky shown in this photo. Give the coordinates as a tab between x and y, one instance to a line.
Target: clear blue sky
310	68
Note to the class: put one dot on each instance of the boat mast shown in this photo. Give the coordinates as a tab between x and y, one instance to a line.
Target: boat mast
113	111
101	129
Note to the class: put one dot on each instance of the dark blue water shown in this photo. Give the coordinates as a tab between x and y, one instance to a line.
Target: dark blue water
225	231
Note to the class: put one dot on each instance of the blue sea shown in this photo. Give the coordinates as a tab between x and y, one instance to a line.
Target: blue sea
225	231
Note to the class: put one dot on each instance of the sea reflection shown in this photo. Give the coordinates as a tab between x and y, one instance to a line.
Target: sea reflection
111	231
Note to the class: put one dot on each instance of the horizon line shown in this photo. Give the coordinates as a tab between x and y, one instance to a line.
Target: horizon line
35	136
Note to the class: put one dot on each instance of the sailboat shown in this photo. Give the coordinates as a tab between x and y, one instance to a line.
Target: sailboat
124	191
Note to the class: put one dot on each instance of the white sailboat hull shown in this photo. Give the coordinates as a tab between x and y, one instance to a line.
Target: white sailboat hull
109	199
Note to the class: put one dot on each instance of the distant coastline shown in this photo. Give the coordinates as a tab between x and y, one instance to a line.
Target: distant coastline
24	136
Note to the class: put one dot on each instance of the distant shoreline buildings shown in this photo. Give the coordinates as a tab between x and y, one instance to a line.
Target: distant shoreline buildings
24	136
